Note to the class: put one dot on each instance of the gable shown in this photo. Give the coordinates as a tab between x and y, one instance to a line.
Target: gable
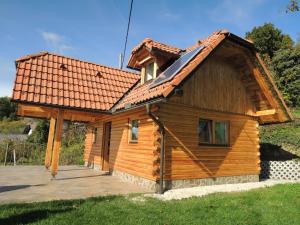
233	79
216	85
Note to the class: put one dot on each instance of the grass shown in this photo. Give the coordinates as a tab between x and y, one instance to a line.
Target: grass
12	127
275	205
282	136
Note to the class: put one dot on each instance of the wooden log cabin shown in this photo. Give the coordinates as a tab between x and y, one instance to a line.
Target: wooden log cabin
184	117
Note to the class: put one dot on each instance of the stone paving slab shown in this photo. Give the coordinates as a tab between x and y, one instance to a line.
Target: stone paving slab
35	184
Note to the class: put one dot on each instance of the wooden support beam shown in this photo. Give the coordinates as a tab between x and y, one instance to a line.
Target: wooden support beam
266	112
50	142
55	155
144	60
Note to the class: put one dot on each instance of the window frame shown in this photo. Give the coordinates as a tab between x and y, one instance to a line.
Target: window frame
146	74
209	129
212	133
130	140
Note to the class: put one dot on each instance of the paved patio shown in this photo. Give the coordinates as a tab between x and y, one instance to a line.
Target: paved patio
35	184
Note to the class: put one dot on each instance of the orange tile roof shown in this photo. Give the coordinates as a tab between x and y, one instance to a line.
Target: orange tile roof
142	93
150	44
50	79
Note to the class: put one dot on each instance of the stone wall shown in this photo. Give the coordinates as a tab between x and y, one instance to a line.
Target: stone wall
148	184
211	181
154	186
280	170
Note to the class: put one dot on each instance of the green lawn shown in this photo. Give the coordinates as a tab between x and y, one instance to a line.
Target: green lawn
276	205
284	137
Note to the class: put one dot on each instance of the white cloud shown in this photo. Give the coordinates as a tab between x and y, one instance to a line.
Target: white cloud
56	41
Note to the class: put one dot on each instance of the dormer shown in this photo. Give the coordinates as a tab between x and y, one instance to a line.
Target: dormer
151	58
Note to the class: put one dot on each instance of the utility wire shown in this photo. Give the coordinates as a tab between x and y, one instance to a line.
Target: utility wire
128	25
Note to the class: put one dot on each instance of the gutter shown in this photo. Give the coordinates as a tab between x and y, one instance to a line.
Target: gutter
130	107
162	147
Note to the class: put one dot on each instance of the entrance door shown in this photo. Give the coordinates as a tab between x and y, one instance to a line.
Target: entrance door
105	146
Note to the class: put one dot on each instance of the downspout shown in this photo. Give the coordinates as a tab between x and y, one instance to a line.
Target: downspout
162	147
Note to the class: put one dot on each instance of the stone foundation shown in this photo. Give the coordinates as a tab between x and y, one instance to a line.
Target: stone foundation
210	181
92	165
149	184
154	186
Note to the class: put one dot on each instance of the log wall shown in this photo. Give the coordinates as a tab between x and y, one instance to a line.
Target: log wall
186	159
139	159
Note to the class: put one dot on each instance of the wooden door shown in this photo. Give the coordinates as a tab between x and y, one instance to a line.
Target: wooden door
106	146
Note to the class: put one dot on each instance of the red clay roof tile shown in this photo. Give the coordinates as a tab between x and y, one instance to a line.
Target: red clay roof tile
77	83
41	78
142	93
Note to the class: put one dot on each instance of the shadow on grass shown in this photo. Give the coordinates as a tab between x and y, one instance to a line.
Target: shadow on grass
32	216
272	152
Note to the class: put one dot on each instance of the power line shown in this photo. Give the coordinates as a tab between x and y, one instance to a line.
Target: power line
128	25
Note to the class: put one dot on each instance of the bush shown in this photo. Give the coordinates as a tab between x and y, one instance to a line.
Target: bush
72	155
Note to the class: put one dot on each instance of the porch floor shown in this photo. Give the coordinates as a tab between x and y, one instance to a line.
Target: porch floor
35	184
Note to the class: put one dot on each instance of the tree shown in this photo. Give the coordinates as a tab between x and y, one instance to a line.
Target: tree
40	133
268	39
286	65
292	6
7	109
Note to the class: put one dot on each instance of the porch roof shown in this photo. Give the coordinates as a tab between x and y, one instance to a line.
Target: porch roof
52	80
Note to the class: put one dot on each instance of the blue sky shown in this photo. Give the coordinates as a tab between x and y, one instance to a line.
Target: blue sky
94	30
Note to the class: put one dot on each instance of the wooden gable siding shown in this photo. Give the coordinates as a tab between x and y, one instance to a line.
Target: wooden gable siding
139	158
216	85
185	159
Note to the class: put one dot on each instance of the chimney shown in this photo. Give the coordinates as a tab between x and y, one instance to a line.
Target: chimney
120	61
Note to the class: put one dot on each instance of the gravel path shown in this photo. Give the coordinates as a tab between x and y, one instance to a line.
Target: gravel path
178	194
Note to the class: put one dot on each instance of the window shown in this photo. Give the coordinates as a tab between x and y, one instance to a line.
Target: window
133	130
204	131
213	132
95	135
221	132
149	71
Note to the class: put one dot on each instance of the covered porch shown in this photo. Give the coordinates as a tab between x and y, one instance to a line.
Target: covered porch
34	184
56	116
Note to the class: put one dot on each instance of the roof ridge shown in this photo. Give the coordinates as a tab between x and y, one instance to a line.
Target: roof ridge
172	46
149	40
110	67
42	53
29	56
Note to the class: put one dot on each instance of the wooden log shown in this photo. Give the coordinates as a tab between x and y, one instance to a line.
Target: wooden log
55	155
50	142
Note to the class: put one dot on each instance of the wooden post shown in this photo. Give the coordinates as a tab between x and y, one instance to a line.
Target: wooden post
56	146
6	154
14	155
50	142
